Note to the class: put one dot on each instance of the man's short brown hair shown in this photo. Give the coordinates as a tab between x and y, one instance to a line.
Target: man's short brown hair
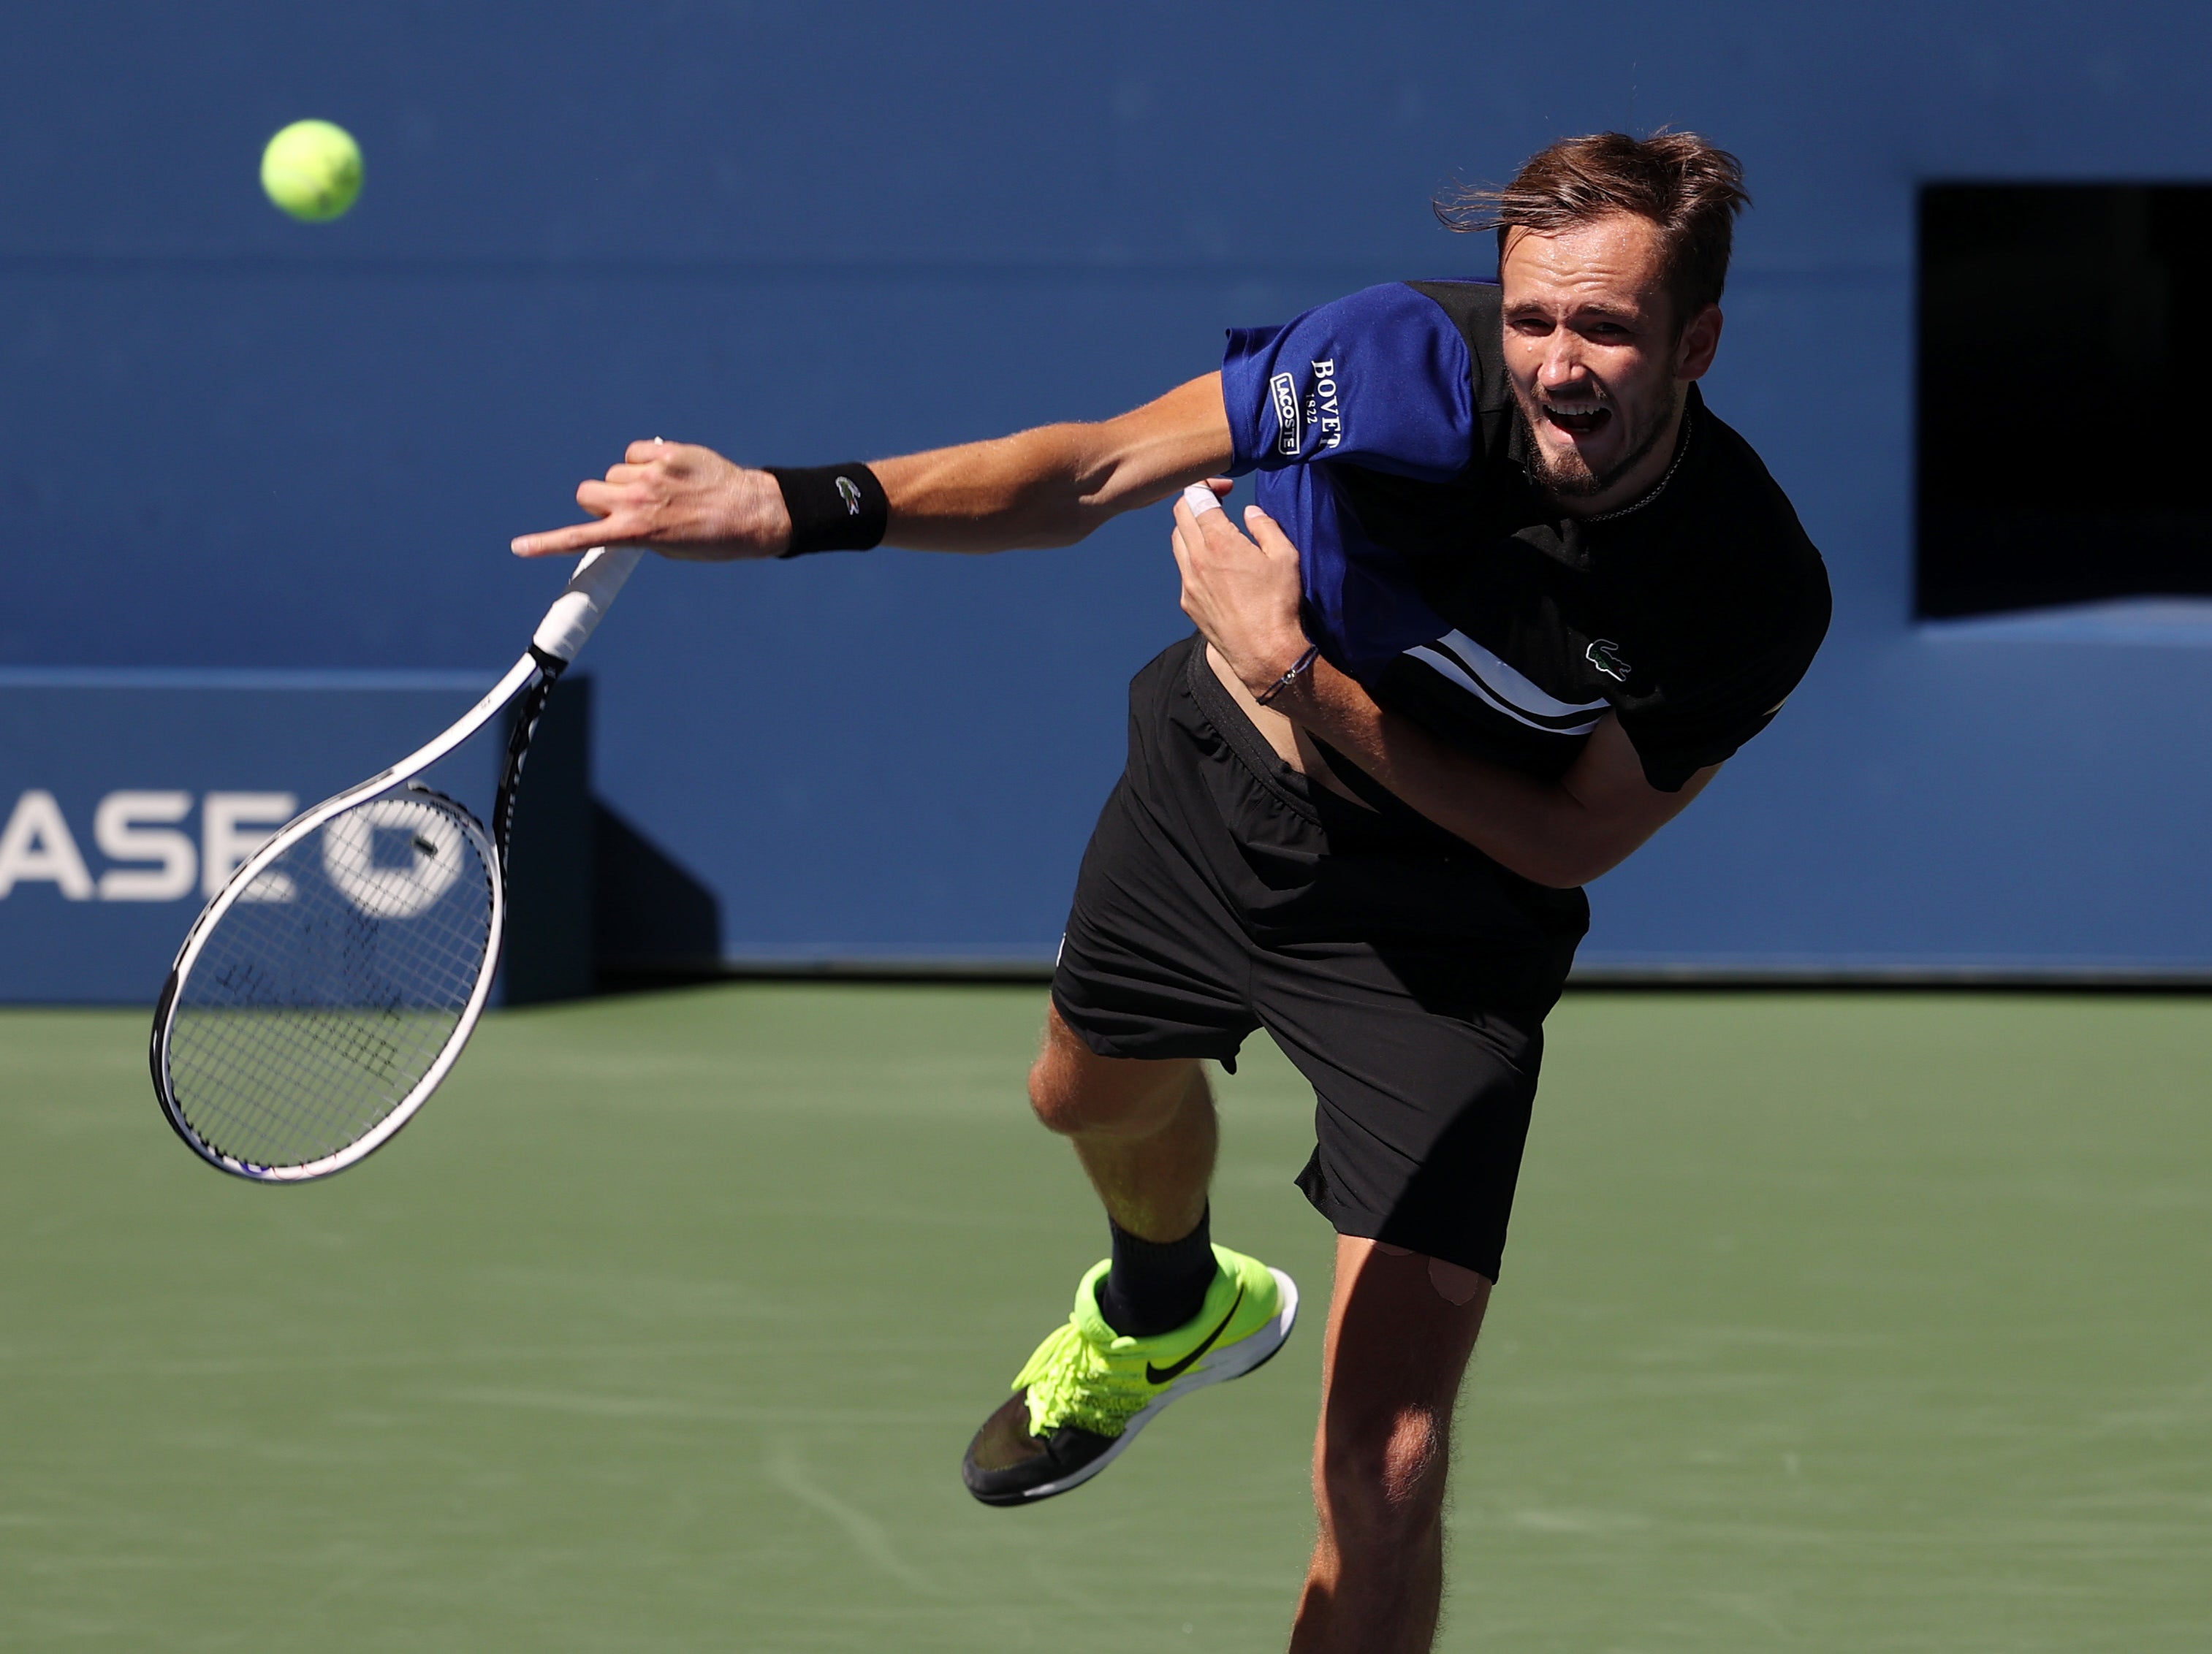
1692	191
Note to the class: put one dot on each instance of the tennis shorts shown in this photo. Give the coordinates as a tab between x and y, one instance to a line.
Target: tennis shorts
1404	973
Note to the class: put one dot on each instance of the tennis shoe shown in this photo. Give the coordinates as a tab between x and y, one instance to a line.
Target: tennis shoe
1087	1391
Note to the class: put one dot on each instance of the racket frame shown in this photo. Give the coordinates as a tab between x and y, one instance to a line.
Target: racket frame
574	615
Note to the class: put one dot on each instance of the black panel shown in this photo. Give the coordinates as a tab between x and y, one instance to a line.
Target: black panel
593	901
655	916
2062	430
550	952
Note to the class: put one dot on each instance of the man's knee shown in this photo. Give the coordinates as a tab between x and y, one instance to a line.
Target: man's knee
1384	1475
1076	1092
1455	1283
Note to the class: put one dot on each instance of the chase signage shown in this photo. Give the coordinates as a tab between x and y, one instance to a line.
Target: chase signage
127	799
144	837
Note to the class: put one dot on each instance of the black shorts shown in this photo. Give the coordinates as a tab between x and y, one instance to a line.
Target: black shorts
1404	973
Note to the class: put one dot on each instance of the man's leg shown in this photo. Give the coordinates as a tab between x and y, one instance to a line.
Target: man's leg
1144	1131
1401	1329
1168	1314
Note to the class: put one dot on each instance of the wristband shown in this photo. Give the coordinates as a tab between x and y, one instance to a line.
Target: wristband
833	508
1298	669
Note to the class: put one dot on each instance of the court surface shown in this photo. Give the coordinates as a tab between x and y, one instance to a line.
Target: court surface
1856	1322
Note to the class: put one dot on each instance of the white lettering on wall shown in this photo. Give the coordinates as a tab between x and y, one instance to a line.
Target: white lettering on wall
232	826
35	847
123	828
135	825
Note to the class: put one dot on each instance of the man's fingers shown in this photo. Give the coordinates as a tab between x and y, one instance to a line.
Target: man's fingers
618	495
1221	531
578	536
1200	524
614	499
1269	533
1201	498
1185	599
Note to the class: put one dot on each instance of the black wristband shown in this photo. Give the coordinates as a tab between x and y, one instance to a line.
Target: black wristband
833	508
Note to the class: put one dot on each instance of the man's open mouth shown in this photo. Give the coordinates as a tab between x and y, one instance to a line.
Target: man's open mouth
1575	419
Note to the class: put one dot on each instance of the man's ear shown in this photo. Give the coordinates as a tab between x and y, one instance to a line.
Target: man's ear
1700	339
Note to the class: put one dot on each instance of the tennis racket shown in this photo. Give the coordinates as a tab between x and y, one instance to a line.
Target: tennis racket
327	989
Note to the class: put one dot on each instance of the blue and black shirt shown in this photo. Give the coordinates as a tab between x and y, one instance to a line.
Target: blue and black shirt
1388	444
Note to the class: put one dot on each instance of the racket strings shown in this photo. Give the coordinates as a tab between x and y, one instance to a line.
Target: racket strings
314	1012
274	1078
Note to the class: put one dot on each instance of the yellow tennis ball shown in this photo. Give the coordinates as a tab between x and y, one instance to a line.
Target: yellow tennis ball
312	169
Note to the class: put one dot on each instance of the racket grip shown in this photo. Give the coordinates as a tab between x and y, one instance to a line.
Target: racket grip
589	591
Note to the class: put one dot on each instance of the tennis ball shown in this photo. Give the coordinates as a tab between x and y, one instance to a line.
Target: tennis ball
312	169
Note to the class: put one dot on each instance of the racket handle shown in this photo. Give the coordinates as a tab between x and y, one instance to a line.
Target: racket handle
589	591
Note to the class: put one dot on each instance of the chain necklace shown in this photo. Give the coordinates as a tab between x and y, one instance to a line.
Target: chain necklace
1681	447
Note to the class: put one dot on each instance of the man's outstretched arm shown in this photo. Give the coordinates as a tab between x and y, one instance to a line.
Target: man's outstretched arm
1048	487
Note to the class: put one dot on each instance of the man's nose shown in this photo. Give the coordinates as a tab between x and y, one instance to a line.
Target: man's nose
1563	366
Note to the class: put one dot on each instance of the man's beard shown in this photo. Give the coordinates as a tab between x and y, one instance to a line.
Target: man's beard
1584	483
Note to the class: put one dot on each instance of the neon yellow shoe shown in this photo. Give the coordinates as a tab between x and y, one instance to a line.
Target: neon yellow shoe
1086	1392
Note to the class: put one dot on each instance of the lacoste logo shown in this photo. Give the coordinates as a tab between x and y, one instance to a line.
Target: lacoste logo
1605	654
850	492
1168	1375
1285	390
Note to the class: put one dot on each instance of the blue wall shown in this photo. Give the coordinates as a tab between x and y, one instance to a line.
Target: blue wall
127	797
808	231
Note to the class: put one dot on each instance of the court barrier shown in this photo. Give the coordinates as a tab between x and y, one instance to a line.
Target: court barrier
128	796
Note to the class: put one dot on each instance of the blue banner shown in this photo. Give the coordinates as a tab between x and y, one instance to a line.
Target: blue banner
128	797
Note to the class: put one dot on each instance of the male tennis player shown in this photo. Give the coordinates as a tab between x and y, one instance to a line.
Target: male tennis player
1509	598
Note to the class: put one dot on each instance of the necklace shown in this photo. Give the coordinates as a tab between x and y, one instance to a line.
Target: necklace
1681	447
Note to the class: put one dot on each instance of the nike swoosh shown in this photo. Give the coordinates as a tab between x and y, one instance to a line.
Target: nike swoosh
1166	1375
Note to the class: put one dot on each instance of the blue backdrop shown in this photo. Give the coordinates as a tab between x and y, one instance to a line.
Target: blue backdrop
128	796
807	233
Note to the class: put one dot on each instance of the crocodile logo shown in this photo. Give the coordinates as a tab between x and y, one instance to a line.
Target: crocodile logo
1605	654
850	492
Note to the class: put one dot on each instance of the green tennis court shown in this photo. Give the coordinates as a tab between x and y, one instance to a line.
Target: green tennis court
1855	1323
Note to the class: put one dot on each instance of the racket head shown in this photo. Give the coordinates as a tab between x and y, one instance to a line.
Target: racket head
327	989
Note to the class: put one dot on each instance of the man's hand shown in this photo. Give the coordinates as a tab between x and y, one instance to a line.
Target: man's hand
680	500
1242	593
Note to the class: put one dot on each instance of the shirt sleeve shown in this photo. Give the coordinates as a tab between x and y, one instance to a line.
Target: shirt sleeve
1380	378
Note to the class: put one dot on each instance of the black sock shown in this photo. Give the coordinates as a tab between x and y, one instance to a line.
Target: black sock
1155	1286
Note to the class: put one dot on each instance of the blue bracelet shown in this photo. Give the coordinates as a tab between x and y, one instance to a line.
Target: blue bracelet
1296	671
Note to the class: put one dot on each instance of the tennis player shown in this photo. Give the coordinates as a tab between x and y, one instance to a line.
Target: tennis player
1511	596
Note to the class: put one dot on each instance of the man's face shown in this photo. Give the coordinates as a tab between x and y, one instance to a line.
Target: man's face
1597	364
